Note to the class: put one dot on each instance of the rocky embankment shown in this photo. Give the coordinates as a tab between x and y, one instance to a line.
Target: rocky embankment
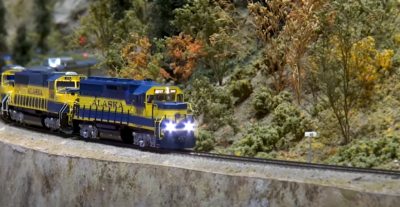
42	170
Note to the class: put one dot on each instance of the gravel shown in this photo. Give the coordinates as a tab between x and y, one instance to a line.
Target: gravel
76	148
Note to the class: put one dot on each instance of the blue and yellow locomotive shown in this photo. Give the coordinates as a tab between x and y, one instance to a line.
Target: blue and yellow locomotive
144	113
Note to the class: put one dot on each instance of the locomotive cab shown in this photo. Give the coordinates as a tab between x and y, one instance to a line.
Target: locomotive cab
174	121
7	81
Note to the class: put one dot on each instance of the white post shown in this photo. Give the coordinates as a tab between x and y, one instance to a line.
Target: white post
310	135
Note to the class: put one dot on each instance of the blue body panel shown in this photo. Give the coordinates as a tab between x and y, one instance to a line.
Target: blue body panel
53	106
177	140
115	117
171	105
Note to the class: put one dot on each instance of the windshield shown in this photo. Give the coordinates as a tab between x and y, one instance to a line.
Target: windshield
65	84
160	97
67	90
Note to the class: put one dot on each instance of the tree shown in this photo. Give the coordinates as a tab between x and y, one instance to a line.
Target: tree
43	24
184	51
268	21
300	29
141	63
343	59
3	31
22	46
163	11
103	34
219	52
218	28
119	8
198	19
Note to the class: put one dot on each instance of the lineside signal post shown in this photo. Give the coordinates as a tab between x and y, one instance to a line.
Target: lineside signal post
310	135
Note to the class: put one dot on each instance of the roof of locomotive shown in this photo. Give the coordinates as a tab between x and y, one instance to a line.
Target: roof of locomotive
108	80
140	86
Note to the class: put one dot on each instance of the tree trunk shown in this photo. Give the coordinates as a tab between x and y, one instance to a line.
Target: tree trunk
220	80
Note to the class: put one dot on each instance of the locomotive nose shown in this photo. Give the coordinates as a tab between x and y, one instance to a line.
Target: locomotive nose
180	139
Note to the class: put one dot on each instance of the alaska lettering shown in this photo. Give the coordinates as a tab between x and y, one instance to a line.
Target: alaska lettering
106	104
35	91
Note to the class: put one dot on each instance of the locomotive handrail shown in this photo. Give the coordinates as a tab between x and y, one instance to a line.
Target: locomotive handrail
159	128
190	108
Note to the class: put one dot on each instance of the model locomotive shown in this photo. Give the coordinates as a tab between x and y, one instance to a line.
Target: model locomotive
143	112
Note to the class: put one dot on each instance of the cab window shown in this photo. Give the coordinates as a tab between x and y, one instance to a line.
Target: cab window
64	84
7	78
160	97
180	97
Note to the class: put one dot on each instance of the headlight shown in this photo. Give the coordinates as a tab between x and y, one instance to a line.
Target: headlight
189	126
170	126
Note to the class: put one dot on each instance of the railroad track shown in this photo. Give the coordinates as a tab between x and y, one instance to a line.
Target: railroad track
395	174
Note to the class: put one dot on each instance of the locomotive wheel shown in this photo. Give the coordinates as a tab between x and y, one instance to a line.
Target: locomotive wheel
126	136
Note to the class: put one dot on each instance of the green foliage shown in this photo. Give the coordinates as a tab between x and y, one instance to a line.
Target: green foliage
256	139
272	155
218	28
3	31
215	104
56	40
241	73
104	34
43	24
240	89
367	153
119	7
163	11
205	141
265	100
198	18
22	47
290	120
344	23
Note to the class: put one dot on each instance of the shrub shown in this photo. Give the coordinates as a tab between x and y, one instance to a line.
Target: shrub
265	100
272	155
367	153
215	104
205	141
243	73
241	89
256	139
290	120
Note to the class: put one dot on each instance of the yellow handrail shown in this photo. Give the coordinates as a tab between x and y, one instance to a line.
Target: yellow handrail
159	128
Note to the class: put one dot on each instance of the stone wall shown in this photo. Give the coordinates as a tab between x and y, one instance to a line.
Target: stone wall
34	178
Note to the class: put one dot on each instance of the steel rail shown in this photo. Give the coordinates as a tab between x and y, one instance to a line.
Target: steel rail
233	158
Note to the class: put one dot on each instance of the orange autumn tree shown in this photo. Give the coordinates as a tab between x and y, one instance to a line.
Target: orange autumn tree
139	62
184	52
301	31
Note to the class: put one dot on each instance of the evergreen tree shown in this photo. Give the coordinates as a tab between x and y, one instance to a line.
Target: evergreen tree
119	7
22	47
3	31
163	11
43	24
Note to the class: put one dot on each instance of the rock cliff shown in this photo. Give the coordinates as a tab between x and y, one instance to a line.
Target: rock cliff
34	178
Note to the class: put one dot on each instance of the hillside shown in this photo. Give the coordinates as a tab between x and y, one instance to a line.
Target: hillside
261	74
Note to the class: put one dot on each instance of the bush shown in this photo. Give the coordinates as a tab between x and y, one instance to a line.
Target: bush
265	100
272	155
290	120
205	141
215	104
256	139
240	89
243	73
367	153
